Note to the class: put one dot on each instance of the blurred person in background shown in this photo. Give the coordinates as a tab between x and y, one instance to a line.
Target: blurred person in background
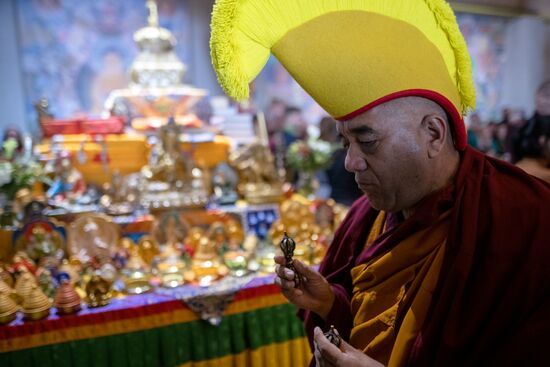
537	126
275	119
343	188
295	126
536	158
514	119
473	129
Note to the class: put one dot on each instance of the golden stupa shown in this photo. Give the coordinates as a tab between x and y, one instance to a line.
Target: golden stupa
36	304
24	285
4	288
156	91
67	301
8	309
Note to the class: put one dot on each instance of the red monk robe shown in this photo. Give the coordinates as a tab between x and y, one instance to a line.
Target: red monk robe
491	304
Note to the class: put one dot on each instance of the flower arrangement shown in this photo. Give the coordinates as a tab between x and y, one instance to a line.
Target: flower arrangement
15	176
309	156
17	173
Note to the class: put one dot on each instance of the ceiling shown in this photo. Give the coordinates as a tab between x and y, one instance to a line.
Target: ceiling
504	7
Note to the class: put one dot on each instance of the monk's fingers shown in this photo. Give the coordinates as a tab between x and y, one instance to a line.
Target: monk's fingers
284	273
288	288
320	361
286	285
279	259
328	351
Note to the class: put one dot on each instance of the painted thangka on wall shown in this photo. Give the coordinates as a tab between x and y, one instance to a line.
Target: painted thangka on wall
75	52
484	36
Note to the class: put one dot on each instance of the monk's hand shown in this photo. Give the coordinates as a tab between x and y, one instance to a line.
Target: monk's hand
314	294
328	354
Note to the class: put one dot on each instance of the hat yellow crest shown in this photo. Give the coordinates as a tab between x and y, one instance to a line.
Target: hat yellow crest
349	55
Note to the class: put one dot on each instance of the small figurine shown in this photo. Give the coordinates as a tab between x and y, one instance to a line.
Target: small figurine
98	292
224	182
287	246
136	274
206	262
333	336
148	249
67	301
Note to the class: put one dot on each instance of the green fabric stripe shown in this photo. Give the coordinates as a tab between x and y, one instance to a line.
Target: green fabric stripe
170	345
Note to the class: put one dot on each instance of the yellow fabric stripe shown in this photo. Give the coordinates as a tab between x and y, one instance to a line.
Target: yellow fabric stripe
292	353
130	325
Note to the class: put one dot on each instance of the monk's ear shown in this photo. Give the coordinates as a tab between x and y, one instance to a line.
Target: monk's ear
436	130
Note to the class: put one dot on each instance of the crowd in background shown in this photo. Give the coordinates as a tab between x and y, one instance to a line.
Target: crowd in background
519	139
522	141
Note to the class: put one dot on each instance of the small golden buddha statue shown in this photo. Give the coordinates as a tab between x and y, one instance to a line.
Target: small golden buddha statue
98	291
172	271
136	275
235	233
173	178
193	238
148	249
206	262
117	200
259	181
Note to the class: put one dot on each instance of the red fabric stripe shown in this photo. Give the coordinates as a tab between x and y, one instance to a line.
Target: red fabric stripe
264	290
459	129
37	327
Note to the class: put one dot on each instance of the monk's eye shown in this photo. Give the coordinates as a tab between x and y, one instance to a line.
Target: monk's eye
367	144
345	144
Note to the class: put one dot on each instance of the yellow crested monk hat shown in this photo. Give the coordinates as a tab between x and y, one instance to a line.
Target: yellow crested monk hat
349	55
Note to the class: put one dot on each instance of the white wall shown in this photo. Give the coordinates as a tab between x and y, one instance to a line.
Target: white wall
525	67
200	66
12	108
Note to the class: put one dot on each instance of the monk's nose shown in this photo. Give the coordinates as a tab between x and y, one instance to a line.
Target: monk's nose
355	162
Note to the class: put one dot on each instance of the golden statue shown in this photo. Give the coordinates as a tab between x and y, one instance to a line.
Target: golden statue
206	264
173	179
98	291
258	179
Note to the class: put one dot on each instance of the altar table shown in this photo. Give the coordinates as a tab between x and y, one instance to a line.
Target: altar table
259	328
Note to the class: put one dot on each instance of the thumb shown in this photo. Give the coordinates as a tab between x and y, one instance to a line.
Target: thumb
305	270
346	347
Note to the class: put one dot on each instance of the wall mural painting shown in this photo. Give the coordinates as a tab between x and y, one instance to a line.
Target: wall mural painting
75	52
485	37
